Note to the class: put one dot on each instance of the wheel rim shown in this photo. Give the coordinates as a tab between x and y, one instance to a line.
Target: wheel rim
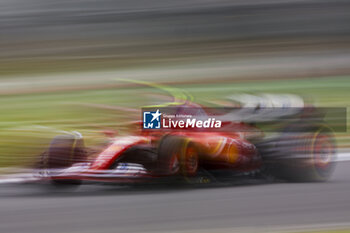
191	161
323	151
174	165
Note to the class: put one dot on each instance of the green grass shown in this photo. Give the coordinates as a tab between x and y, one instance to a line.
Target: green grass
29	121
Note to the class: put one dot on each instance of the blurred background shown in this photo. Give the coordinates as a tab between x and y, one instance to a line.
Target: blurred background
78	64
72	65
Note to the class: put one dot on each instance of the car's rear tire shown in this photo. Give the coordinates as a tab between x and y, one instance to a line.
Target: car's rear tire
177	155
301	157
63	152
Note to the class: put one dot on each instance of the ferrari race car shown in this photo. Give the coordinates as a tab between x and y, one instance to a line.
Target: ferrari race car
298	152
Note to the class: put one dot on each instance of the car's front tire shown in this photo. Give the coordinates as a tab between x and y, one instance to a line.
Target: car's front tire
63	152
178	155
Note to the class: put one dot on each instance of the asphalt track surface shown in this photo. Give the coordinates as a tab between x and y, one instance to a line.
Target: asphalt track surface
246	205
177	20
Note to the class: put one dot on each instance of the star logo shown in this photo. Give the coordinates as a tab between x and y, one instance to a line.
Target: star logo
156	115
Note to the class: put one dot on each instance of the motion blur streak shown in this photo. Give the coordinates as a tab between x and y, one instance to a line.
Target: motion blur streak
41	36
71	67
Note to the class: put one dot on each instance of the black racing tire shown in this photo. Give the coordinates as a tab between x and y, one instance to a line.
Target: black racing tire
177	156
63	152
307	156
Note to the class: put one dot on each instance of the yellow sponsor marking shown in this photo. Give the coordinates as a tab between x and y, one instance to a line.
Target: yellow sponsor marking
233	153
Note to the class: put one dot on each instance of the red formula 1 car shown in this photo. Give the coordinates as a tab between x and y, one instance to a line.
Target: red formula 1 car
194	156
